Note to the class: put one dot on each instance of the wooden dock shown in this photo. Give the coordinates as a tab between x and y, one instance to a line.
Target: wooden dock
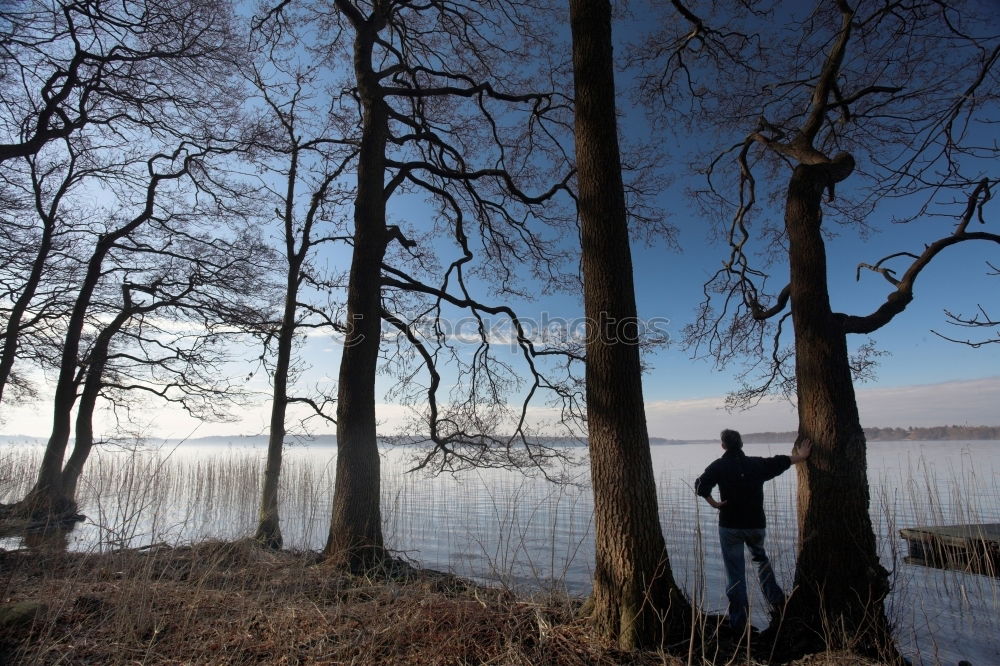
972	548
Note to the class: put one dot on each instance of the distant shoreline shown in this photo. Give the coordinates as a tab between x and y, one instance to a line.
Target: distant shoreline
928	434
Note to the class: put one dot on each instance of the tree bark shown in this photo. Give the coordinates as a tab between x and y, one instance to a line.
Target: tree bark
355	537
84	441
635	600
46	497
268	525
839	583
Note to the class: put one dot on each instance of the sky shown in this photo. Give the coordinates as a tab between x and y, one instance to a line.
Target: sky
922	380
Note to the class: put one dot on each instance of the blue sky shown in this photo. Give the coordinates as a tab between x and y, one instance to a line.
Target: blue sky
923	380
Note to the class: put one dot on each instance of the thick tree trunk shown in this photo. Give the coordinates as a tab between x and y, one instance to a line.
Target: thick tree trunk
839	583
82	446
356	526
268	525
635	600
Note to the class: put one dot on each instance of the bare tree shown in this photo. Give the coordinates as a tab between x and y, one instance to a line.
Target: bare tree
79	79
635	600
46	496
432	84
301	152
185	301
877	93
91	89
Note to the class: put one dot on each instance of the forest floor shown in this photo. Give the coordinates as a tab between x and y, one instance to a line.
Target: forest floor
235	603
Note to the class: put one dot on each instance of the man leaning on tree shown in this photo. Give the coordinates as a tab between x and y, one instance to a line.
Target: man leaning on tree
741	519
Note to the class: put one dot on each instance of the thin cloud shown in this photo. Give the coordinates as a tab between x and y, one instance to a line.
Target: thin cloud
972	402
961	402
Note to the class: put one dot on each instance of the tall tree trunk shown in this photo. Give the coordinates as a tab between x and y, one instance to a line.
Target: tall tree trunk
635	600
46	497
268	525
84	434
356	525
839	583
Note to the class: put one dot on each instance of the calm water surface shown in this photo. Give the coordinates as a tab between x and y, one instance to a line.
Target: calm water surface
530	534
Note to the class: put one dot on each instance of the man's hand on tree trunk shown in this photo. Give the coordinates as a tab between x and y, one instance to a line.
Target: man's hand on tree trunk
802	451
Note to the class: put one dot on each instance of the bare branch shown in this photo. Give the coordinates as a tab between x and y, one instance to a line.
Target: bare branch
897	300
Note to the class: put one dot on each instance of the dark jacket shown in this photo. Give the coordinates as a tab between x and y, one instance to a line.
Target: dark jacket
741	486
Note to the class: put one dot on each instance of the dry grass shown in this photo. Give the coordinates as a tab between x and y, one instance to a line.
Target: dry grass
234	603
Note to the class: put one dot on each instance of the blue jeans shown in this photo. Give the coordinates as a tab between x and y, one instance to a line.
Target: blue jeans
732	540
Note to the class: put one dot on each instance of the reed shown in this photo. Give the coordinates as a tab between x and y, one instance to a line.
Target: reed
165	544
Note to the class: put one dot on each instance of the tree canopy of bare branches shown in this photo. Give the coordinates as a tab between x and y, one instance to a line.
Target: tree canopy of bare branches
857	108
70	65
444	109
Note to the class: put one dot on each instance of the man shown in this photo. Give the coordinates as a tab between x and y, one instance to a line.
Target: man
741	518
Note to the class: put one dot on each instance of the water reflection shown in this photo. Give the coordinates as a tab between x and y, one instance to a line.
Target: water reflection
39	536
47	539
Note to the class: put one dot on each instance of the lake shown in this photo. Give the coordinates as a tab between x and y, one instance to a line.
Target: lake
533	535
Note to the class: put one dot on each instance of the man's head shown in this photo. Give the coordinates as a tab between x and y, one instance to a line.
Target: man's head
731	440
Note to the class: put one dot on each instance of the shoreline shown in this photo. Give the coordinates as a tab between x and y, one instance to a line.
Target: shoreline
237	603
